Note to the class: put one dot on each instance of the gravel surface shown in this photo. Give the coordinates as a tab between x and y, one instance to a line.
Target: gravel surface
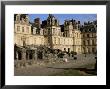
51	69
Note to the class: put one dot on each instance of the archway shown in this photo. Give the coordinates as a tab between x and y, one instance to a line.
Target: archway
19	55
40	55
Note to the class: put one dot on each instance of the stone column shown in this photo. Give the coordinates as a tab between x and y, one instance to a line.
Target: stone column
16	55
23	63
43	54
23	54
55	57
35	55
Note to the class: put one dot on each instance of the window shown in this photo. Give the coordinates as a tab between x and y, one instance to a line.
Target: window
18	28
74	27
87	35
84	50
22	29
54	31
93	50
45	32
94	35
92	42
87	42
68	49
49	32
83	42
83	35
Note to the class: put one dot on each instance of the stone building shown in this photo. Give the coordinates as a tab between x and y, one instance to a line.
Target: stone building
89	37
71	36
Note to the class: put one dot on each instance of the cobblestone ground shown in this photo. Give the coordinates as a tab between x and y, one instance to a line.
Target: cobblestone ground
51	69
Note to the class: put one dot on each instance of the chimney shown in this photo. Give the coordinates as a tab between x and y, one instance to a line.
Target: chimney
37	22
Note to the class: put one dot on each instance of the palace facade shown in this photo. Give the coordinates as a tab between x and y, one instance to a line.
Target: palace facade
71	36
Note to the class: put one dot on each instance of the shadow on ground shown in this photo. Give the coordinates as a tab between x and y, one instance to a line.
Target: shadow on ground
86	70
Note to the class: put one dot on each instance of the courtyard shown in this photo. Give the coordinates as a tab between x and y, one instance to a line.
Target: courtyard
82	66
46	47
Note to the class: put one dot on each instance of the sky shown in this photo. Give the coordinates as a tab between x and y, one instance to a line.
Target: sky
61	17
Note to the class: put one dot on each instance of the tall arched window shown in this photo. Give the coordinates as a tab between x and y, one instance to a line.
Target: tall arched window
83	42
18	28
92	42
87	35
88	42
84	50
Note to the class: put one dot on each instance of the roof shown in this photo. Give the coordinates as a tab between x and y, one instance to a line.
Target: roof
89	28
